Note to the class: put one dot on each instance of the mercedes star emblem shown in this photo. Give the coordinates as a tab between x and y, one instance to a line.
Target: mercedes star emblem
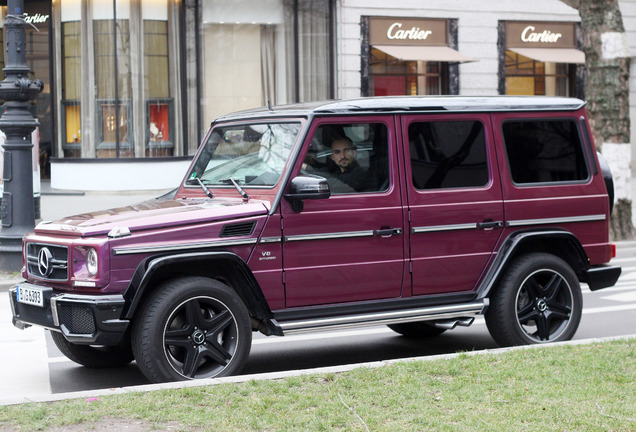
44	262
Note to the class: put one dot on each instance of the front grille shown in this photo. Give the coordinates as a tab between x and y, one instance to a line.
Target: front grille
77	319
47	261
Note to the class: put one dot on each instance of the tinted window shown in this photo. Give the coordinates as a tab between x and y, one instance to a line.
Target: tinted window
352	157
448	154
544	151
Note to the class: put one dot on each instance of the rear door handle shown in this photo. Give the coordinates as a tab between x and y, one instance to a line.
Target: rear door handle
385	232
490	224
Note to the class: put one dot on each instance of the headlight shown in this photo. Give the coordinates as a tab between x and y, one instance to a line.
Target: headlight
91	261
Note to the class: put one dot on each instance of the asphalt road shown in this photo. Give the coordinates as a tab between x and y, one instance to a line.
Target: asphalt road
30	363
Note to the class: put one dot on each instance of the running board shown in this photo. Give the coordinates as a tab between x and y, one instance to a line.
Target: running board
433	313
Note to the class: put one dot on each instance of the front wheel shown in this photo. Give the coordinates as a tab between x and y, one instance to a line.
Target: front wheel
191	328
538	300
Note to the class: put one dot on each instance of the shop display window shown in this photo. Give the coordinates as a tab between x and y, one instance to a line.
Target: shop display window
160	141
72	129
390	76
525	76
113	130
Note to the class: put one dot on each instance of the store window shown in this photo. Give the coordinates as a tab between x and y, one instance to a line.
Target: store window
256	52
408	56
159	104
541	59
391	76
117	72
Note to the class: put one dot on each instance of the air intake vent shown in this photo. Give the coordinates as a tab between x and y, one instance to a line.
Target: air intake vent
238	229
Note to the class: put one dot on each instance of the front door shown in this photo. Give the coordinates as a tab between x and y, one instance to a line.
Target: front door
351	246
455	200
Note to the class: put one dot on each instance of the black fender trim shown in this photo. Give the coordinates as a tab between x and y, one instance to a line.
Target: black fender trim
578	259
248	290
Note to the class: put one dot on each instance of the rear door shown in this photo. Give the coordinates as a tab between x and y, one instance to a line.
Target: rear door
454	199
351	246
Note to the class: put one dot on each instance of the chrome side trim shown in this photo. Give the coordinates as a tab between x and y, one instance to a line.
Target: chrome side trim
439	228
181	247
551	221
432	313
266	240
328	236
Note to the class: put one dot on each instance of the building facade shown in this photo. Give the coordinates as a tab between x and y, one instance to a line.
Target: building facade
132	85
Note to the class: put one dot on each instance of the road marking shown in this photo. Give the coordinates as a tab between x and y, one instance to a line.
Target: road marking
629	296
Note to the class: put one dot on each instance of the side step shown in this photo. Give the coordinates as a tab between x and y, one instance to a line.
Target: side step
447	316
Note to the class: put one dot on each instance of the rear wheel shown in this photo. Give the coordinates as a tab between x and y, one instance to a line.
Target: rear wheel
91	356
191	328
538	300
416	329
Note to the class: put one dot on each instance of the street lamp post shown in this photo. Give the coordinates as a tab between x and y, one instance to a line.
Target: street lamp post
17	123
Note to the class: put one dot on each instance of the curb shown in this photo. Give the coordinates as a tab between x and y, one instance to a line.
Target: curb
287	374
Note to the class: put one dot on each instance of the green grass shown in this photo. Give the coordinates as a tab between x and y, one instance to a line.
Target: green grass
564	388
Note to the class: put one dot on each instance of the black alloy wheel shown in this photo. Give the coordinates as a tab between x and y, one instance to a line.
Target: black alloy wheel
192	328
537	301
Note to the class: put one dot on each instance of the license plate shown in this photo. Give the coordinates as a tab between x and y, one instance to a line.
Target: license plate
30	296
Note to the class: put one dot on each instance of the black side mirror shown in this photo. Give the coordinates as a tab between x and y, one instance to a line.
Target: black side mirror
307	187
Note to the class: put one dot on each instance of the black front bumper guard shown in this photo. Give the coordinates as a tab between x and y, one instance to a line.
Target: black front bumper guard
82	319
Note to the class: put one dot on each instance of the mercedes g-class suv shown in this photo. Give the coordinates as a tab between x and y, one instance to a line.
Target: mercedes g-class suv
414	212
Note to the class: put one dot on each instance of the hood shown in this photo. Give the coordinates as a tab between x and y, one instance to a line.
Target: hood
153	214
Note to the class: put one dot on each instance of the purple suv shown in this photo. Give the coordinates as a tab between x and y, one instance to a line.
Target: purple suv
415	212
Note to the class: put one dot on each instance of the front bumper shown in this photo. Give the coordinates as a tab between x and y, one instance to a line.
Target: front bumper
82	319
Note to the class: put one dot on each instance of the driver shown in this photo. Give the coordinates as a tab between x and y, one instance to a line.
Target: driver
348	176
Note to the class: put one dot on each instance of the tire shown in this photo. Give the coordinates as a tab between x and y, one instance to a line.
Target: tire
416	329
95	357
191	328
538	300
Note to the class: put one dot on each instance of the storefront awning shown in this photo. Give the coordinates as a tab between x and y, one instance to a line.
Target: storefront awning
424	53
552	55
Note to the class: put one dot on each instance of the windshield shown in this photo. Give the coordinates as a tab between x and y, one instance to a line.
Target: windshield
249	155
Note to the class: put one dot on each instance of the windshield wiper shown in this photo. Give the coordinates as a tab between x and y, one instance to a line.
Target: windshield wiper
237	186
203	186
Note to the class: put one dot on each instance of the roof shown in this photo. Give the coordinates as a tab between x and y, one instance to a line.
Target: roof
397	104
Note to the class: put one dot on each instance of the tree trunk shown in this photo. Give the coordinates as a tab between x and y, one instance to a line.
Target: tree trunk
607	62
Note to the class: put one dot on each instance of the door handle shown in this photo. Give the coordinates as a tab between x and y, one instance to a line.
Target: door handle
489	224
386	232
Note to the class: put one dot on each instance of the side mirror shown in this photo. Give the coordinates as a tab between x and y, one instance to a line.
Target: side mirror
307	187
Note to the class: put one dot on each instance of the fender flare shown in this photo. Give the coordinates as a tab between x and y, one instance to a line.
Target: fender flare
248	290
577	259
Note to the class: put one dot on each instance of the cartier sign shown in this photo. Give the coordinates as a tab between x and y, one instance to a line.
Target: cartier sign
407	31
540	35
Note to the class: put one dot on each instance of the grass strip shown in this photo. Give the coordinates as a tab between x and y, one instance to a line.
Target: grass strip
588	387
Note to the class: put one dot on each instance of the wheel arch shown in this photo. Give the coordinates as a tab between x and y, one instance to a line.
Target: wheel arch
560	243
225	267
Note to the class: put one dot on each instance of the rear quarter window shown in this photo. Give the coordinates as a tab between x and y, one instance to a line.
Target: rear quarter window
544	151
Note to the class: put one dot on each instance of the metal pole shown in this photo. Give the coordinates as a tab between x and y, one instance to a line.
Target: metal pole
17	123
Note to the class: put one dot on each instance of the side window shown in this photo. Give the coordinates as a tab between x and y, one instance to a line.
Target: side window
352	157
544	151
448	154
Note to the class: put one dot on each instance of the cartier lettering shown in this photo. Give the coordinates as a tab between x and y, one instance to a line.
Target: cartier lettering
529	35
416	33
